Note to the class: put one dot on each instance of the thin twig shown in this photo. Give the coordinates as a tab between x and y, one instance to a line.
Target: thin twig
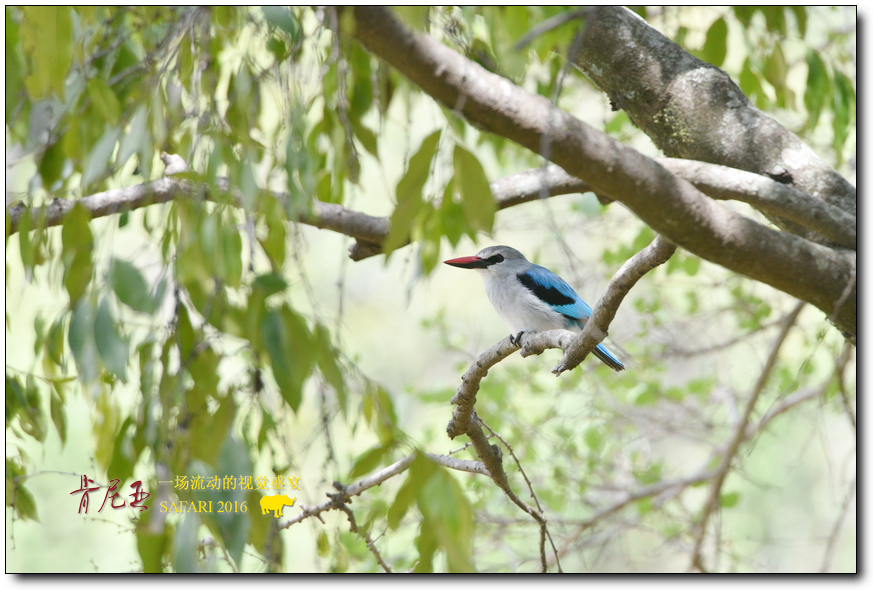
548	25
353	527
838	525
544	530
739	436
349	491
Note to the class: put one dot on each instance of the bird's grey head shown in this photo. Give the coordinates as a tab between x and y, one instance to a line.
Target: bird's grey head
490	258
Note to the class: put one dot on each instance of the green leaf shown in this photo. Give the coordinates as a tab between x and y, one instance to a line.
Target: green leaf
288	345
20	497
409	188
419	472
113	348
844	107
81	340
367	137
130	286
715	46
744	14
97	162
776	69
210	431
280	17
475	190
366	462
185	545
231	254
78	244
233	526
322	544
817	88
800	15
429	252
328	365
150	546
52	164
448	513
750	83
775	18
25	245
378	410
59	417
691	265
123	454
270	284
55	342
134	139
47	38
427	543
104	101
274	243
105	429
643	239
729	499
453	222
594	439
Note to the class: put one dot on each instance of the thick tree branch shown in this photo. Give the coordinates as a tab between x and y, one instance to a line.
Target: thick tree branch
769	196
668	204
693	110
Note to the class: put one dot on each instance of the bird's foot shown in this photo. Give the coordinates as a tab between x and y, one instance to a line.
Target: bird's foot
515	340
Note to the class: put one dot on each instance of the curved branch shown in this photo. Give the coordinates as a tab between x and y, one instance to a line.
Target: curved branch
653	255
464	421
669	205
577	346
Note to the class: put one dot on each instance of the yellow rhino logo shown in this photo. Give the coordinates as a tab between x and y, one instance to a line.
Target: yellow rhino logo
275	503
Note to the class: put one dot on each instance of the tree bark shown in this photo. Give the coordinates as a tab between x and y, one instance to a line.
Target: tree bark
693	110
671	206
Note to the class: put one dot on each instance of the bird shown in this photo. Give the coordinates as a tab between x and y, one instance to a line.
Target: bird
530	297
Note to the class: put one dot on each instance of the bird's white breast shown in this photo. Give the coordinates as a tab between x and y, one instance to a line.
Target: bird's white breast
519	307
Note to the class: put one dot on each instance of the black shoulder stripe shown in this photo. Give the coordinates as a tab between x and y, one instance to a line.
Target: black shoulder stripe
550	295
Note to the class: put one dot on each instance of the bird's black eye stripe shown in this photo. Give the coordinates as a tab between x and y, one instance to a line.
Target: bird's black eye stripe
495	259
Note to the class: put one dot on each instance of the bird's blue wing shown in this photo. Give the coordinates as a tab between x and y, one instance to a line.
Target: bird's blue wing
555	291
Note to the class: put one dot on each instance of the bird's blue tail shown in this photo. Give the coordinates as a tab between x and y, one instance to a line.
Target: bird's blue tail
608	359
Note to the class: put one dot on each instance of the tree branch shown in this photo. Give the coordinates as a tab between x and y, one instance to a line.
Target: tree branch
668	204
653	255
714	496
347	492
718	182
693	110
464	421
577	346
769	196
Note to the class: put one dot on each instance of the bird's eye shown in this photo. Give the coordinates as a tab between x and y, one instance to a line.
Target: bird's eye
496	258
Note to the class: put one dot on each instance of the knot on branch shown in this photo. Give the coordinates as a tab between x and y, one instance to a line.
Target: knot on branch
341	498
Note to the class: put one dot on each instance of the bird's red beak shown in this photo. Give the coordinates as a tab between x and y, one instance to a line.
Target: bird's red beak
467	262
